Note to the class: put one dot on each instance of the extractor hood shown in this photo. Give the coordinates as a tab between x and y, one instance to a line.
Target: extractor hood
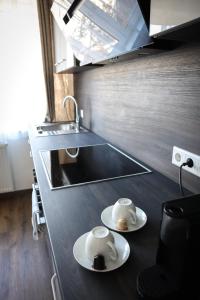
98	30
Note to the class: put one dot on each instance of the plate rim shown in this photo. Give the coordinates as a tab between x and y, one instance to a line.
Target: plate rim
105	270
123	231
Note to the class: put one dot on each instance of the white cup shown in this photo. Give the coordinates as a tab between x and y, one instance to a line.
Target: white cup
100	241
124	209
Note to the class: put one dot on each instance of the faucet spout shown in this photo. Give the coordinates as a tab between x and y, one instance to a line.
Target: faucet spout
69	97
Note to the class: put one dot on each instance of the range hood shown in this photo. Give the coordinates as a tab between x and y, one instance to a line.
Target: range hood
98	30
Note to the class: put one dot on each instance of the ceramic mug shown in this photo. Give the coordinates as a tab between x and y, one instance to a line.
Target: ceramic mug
125	210
100	241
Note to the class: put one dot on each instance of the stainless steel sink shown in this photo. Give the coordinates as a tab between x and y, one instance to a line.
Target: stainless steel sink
58	128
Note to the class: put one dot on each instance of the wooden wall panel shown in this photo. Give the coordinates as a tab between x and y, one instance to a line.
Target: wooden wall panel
63	86
147	105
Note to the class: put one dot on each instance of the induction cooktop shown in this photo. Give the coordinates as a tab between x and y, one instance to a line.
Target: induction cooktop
88	164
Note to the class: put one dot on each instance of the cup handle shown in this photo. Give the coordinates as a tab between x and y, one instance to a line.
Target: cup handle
114	251
133	215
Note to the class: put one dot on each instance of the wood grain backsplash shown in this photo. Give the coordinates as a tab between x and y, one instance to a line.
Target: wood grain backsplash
146	106
63	86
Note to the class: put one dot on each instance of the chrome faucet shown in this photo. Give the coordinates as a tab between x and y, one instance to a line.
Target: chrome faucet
76	109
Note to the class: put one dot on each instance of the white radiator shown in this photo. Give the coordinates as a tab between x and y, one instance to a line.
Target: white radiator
6	180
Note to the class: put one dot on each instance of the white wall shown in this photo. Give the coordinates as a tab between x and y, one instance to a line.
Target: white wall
22	88
20	161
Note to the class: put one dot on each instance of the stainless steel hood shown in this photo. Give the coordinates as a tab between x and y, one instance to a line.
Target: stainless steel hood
101	29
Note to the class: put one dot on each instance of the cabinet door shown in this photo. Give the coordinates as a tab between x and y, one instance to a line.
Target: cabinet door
63	55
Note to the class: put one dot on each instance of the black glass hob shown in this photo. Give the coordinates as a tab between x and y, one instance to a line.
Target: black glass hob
81	165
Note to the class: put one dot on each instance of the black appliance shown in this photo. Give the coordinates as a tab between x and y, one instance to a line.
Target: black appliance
86	164
176	273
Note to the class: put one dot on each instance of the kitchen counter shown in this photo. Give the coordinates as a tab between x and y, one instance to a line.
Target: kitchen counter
72	211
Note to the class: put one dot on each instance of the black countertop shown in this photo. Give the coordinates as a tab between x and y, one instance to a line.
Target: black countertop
72	211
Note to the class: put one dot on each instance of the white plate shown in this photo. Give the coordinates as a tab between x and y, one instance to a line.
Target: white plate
106	218
122	247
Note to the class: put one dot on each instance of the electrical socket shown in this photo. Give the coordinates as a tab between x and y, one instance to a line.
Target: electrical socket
180	156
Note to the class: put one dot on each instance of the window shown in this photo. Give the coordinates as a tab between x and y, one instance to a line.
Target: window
22	88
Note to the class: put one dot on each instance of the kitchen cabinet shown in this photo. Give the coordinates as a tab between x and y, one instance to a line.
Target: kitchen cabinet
102	32
40	232
56	291
63	55
71	212
176	20
64	59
